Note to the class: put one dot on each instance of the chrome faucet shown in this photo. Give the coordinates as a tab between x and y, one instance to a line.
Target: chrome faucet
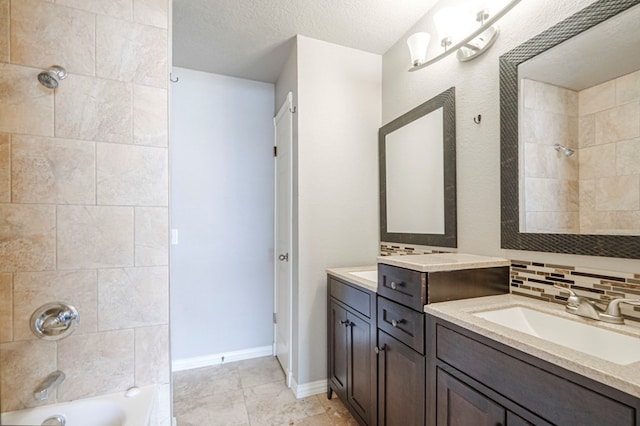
48	385
586	308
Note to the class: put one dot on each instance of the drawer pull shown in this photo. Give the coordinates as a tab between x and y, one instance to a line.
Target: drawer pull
395	323
394	286
344	322
378	350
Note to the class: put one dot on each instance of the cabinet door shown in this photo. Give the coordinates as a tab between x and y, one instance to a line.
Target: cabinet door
401	384
359	369
460	405
338	356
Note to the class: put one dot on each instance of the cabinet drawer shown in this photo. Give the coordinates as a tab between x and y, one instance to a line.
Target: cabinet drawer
359	300
403	286
551	397
403	323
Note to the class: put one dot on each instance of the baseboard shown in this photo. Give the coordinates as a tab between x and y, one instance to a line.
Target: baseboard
215	359
308	389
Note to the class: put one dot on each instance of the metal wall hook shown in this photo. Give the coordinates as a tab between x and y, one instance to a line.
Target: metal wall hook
172	80
293	110
477	119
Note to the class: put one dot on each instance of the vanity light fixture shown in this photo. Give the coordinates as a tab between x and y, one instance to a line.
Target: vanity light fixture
451	24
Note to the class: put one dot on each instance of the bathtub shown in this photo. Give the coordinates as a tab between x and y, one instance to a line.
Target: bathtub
130	408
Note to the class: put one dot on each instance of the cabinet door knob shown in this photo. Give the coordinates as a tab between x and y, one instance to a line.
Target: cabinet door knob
394	286
378	350
395	323
344	322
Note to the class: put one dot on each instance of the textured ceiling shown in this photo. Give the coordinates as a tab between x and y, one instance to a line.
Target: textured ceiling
251	38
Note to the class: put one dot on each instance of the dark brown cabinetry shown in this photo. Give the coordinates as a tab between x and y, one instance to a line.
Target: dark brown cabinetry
351	339
473	380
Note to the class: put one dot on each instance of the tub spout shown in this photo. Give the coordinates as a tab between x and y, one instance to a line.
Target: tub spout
48	385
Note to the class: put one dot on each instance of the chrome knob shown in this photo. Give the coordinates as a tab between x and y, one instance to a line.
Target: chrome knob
394	286
377	350
54	321
395	323
284	257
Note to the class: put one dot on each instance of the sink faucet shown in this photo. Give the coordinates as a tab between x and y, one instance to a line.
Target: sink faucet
586	308
48	385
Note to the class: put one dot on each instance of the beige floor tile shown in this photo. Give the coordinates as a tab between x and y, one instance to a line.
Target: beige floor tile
336	411
318	420
205	381
260	371
275	404
224	409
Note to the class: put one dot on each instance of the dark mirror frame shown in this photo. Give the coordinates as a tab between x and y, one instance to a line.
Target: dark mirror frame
445	100
624	246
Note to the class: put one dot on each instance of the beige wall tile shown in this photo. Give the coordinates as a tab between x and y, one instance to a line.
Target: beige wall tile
5	168
628	222
150	122
552	99
597	161
4	30
105	114
545	162
27	238
597	98
96	364
44	34
94	237
151	12
132	175
588	195
550	128
587	131
151	236
118	8
34	289
628	157
628	88
618	193
25	105
551	195
594	222
23	366
55	171
152	355
122	292
619	123
6	307
131	52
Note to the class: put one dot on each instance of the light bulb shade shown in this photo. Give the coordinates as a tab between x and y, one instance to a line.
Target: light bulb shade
450	25
418	44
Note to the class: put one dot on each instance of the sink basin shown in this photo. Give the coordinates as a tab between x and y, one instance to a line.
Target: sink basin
367	275
598	342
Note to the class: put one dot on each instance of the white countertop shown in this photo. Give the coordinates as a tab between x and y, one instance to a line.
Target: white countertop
442	261
345	274
460	312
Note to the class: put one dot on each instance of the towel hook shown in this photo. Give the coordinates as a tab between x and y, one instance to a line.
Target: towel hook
477	119
172	80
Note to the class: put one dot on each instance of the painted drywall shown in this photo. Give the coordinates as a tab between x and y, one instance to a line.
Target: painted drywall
339	98
478	146
222	207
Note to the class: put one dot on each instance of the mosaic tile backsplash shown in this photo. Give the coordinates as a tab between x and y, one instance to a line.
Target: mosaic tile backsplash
536	280
394	249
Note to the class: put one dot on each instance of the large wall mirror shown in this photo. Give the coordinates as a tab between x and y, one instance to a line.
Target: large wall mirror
417	153
570	134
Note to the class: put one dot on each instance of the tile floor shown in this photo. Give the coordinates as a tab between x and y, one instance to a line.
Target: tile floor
249	393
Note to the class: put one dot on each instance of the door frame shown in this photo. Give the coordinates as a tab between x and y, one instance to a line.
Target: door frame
287	107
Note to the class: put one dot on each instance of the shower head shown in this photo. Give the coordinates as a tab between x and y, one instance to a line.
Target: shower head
51	77
568	152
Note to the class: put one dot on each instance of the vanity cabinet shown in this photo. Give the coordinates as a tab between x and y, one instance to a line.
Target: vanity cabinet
473	380
351	341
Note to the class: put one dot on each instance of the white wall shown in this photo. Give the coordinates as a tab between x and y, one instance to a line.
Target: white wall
339	97
478	146
222	205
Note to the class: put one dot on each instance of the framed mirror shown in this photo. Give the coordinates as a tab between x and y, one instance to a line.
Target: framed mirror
417	154
570	136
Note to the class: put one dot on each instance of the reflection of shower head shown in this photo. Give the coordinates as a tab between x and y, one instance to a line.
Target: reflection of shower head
51	77
568	152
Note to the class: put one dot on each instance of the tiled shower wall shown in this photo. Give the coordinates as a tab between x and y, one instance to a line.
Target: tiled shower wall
84	195
550	178
610	156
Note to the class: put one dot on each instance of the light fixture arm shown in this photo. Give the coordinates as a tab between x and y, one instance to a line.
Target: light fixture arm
465	42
